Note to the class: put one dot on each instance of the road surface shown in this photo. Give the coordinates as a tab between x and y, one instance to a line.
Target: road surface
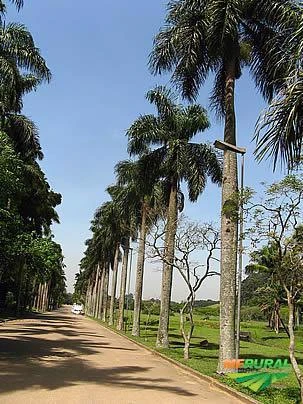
62	358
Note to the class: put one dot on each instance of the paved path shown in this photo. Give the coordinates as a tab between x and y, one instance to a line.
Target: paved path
61	358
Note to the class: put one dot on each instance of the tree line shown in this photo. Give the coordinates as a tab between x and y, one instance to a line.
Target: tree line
200	39
31	262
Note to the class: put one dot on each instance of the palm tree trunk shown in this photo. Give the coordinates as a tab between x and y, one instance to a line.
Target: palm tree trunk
114	287
229	229
90	297
167	275
105	292
94	295
33	296
43	298
86	308
96	292
123	285
99	316
39	297
139	274
20	285
293	360
47	288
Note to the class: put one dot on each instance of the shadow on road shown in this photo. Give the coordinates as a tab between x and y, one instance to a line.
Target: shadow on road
54	350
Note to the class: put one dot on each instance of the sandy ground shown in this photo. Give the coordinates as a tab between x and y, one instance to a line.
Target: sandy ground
62	358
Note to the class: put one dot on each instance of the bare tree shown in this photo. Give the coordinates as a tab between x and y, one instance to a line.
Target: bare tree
277	222
192	239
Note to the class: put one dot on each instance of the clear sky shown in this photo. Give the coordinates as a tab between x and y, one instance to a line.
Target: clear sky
98	53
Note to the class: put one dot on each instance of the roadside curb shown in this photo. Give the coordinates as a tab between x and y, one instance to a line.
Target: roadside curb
213	382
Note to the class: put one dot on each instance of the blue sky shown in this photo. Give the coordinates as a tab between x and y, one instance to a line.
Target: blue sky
98	52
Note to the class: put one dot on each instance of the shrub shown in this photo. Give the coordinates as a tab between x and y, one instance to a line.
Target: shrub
252	313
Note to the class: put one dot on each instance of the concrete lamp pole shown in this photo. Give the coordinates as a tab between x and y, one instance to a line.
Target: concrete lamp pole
240	150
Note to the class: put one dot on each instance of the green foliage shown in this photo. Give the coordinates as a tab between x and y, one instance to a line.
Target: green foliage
251	285
11	167
208	311
151	307
28	255
200	37
265	344
205	303
176	159
252	313
69	298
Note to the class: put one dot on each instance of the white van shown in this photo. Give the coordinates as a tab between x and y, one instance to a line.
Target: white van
77	309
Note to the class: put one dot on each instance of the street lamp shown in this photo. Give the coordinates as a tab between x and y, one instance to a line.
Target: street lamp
240	150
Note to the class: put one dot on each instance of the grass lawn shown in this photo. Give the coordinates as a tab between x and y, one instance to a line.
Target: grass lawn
266	344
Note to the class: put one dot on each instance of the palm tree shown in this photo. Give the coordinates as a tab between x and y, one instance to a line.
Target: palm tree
114	284
96	262
111	228
175	160
221	37
124	198
263	261
146	200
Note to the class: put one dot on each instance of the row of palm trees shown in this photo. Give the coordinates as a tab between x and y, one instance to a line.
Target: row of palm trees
148	189
200	39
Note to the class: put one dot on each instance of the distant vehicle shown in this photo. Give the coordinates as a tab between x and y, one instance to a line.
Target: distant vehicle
77	309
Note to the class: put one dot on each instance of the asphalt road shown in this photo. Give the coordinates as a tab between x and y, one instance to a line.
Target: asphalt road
62	358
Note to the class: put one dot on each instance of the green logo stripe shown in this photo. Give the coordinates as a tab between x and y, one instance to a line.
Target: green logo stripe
257	381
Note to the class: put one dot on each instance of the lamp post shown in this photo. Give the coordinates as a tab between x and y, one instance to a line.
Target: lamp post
240	150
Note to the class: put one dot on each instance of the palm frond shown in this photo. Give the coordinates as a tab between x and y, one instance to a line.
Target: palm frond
181	46
279	130
126	171
192	120
24	134
147	130
17	43
164	100
17	3
217	99
270	28
200	161
223	34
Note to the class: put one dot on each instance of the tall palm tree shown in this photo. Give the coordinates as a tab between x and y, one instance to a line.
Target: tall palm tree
146	199
111	238
126	203
221	37
175	160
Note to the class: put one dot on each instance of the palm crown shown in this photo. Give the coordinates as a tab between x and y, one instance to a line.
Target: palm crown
204	36
176	159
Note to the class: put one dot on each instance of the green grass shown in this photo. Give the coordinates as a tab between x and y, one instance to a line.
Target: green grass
266	344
